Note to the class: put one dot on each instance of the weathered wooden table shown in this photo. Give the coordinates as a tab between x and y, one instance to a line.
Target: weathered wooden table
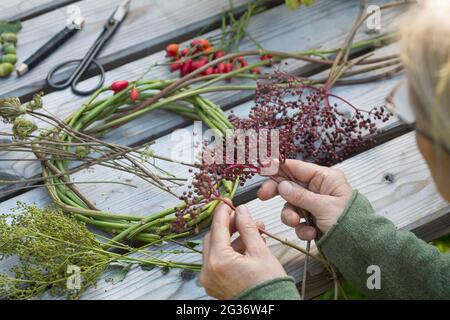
393	175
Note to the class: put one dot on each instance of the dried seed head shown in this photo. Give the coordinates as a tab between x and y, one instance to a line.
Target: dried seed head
36	102
82	151
22	128
11	108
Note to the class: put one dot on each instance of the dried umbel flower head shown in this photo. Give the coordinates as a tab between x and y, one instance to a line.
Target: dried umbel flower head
22	128
82	151
47	242
11	108
36	102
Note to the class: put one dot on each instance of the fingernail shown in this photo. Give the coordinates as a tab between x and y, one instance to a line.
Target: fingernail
285	187
242	209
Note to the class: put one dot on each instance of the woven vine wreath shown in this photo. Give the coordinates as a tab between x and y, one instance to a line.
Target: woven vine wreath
156	226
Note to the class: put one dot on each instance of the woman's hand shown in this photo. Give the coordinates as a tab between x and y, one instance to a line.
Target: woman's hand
322	191
231	267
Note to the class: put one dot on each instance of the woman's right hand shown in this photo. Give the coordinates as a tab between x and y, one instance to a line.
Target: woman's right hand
325	194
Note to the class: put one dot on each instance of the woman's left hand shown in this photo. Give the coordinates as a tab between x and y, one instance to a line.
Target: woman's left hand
231	267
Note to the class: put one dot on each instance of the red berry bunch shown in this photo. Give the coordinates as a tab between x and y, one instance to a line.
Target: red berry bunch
121	85
312	123
199	53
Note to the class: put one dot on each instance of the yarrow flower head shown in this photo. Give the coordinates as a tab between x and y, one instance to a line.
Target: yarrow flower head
11	108
22	128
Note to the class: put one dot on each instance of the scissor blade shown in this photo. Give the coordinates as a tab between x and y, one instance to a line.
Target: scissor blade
121	11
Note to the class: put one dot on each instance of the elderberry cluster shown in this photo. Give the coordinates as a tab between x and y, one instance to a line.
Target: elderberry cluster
312	123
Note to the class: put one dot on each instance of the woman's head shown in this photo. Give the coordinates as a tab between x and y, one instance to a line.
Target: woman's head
425	45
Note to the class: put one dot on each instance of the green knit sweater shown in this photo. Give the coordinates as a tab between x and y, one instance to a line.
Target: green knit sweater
409	268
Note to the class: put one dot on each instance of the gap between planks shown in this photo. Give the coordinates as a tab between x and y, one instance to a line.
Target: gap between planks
28	9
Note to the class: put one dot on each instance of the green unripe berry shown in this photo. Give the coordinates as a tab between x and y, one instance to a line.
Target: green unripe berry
9	48
9	58
9	37
6	69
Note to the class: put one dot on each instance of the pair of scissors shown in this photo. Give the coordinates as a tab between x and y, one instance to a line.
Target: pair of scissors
82	65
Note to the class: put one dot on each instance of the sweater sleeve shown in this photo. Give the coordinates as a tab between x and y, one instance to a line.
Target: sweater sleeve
361	243
276	289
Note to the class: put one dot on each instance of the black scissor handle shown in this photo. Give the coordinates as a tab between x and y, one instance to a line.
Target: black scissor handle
77	80
74	79
54	84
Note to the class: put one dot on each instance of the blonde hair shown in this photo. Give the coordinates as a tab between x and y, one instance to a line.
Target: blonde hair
425	49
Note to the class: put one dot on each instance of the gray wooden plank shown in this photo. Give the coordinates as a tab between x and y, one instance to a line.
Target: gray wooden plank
147	28
285	26
27	9
410	199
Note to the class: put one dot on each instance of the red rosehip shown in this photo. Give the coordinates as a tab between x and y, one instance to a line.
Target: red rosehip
219	54
197	43
172	50
184	51
221	67
119	85
265	57
200	44
134	94
256	70
206	44
198	64
186	67
176	65
208	71
228	67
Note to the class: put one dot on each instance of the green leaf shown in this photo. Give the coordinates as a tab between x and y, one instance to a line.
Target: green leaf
193	243
6	26
292	4
165	270
118	273
147	267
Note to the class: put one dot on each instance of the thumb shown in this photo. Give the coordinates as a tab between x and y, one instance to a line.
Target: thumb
299	196
249	232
